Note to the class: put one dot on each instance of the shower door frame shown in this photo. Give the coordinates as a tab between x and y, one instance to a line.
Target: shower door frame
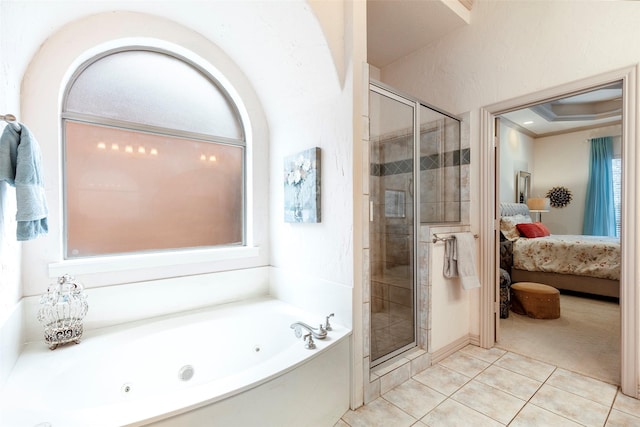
389	92
385	90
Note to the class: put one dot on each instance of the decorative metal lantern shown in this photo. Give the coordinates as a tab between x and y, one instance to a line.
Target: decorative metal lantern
62	309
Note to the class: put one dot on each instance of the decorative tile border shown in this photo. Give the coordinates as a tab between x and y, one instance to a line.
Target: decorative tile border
434	161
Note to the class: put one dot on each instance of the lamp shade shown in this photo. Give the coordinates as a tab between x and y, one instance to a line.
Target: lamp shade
539	204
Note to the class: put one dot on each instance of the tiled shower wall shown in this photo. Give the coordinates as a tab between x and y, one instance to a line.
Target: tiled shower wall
446	172
391	238
440	160
391	169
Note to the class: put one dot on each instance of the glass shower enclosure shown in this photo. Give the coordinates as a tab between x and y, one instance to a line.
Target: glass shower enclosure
412	148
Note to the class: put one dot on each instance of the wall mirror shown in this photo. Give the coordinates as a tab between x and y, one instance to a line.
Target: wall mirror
523	186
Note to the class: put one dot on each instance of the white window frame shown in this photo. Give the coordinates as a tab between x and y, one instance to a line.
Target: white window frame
617	191
151	258
178	257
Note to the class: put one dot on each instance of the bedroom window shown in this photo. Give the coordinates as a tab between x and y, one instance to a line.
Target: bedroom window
617	191
154	153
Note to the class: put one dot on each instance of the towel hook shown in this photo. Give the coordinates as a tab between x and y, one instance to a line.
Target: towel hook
11	119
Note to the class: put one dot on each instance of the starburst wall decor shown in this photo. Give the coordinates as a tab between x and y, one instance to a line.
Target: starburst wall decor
559	197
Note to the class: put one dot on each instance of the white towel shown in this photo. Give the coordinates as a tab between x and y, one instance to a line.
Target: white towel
450	269
460	259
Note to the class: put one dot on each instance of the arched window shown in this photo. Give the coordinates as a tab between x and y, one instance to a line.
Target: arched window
154	157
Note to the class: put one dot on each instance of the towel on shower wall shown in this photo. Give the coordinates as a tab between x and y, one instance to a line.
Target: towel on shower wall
460	259
21	167
450	258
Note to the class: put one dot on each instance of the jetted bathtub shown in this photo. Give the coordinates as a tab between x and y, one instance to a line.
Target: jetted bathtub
234	365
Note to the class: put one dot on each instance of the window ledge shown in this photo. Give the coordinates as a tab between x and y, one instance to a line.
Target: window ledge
141	261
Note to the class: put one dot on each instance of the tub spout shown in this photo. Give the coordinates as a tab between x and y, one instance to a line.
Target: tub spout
319	333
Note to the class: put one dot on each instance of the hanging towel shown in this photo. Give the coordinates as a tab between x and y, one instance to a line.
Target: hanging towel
460	259
450	258
21	167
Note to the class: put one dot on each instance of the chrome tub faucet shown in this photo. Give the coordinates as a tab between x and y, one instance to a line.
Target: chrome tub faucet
319	333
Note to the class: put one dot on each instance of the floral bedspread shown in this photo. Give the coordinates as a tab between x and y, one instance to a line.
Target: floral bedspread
594	256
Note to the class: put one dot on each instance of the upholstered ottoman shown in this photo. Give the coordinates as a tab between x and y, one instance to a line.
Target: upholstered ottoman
535	300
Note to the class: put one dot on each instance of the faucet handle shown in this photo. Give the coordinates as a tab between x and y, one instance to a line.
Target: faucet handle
309	344
321	330
327	325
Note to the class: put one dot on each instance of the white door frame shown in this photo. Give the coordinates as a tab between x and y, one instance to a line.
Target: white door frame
629	304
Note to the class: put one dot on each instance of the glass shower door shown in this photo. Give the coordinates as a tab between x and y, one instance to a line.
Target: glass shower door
392	224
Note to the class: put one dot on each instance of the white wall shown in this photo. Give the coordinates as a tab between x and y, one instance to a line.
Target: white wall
450	304
516	154
512	49
558	160
563	160
293	73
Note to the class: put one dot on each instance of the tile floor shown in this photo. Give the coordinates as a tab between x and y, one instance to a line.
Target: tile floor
478	387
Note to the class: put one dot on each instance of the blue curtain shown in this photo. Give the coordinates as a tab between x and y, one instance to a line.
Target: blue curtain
599	212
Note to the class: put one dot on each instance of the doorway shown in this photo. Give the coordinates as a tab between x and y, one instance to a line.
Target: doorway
534	145
489	214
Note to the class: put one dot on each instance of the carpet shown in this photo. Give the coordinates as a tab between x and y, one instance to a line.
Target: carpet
585	339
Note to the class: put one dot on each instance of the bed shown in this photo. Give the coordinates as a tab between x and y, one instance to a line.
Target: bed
587	264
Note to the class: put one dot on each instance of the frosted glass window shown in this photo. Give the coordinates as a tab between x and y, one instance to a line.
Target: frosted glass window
154	89
134	183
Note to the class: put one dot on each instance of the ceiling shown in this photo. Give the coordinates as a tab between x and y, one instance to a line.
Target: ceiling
591	109
396	28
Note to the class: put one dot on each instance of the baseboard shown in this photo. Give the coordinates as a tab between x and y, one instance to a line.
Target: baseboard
451	348
474	339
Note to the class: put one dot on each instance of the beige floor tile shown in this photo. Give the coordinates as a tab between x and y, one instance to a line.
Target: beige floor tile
489	401
569	405
522	365
453	414
486	394
378	413
533	416
414	398
488	355
518	385
627	404
622	419
464	364
442	379
586	387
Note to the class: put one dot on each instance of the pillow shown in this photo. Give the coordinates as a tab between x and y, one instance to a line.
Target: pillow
544	229
533	230
508	225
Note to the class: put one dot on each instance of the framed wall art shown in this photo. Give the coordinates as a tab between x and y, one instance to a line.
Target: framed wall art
302	186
